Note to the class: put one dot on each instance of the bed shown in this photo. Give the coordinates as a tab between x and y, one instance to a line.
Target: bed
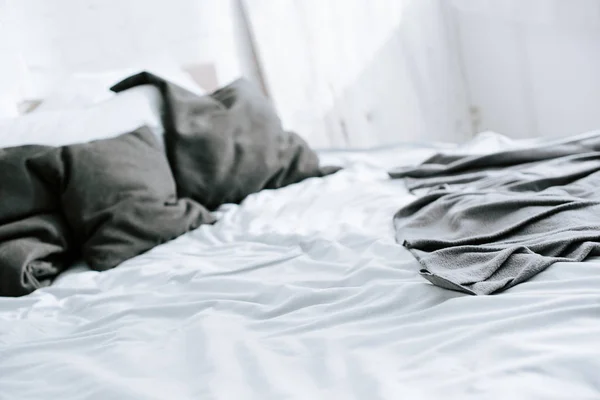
303	293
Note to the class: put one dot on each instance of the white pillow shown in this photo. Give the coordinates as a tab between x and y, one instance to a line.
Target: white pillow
82	90
122	113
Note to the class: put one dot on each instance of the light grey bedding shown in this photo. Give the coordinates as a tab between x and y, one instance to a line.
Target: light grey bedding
489	222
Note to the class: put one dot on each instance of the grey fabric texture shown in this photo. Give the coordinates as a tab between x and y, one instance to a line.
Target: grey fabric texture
112	199
228	144
34	236
487	223
118	196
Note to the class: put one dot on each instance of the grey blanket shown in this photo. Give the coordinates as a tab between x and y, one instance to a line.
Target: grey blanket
112	199
487	223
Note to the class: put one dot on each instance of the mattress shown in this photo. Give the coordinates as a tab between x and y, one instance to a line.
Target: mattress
302	293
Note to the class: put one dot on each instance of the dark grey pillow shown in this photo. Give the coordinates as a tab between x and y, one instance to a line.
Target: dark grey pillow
34	236
229	144
33	251
118	196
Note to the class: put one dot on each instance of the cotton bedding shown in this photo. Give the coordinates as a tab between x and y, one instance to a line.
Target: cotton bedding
124	195
488	222
303	293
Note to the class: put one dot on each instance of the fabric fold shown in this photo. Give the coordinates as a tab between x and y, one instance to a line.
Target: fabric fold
489	222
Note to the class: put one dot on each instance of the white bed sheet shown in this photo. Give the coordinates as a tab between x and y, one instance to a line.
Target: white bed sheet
302	293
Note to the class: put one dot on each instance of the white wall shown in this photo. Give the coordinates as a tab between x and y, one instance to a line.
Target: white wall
12	70
361	72
341	72
532	67
59	37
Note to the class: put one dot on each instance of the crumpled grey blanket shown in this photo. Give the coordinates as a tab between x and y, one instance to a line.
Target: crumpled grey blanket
489	222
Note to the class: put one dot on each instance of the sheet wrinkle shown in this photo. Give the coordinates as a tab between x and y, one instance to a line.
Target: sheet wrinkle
482	229
346	319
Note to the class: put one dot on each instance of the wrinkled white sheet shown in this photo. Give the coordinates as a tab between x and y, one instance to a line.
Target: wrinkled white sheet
302	293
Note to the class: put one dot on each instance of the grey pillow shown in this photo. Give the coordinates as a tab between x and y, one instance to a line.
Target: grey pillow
33	251
34	236
229	144
118	196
